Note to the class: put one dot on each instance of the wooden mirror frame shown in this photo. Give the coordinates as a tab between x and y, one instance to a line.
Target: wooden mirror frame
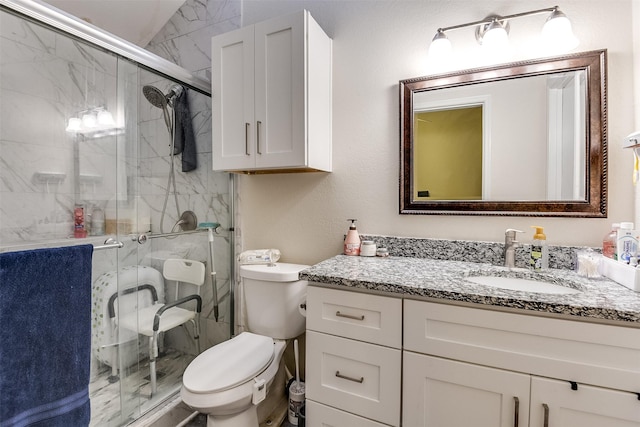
595	205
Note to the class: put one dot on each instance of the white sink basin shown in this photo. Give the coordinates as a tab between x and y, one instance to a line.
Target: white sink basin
525	285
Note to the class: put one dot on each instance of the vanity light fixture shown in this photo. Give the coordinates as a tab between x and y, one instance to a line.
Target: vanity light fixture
493	34
96	121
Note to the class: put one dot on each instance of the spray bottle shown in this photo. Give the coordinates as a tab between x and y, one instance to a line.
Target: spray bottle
352	241
539	252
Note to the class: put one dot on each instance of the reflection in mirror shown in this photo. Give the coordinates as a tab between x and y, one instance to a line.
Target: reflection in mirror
519	139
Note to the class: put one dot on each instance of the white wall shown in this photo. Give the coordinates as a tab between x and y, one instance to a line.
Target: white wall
378	43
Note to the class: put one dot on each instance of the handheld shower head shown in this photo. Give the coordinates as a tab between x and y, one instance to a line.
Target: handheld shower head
159	99
154	96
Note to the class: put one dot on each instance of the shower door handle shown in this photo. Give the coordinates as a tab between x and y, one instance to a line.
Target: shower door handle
246	139
258	126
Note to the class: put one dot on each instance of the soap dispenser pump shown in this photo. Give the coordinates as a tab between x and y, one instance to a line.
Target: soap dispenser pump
539	252
352	241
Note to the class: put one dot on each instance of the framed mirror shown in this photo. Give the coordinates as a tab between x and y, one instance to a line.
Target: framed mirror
526	138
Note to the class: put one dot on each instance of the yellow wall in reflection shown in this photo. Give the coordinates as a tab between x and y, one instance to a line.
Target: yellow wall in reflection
448	154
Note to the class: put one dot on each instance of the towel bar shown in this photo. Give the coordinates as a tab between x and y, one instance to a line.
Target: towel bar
110	243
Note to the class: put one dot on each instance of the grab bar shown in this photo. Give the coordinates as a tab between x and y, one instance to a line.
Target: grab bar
142	238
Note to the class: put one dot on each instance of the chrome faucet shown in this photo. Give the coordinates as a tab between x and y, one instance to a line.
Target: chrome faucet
510	244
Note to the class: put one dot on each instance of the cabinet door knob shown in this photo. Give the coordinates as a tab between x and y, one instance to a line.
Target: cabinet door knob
516	411
246	138
258	126
344	377
349	316
546	415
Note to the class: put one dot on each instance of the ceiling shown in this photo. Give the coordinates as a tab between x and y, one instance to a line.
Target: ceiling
136	21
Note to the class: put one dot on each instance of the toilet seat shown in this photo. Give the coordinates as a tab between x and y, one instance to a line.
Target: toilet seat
229	364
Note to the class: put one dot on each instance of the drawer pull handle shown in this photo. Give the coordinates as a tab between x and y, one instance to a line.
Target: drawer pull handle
246	139
516	411
349	316
258	126
344	377
546	414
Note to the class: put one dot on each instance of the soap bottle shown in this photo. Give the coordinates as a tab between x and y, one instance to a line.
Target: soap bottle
539	251
97	222
610	242
352	241
627	242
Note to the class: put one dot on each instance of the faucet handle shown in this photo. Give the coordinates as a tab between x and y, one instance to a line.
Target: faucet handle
513	231
510	233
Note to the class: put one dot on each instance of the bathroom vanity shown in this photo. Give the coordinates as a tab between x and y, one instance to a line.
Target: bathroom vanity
412	342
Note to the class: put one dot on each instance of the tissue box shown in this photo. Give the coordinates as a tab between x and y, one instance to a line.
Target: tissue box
624	274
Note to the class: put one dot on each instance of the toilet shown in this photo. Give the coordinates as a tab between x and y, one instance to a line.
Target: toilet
224	381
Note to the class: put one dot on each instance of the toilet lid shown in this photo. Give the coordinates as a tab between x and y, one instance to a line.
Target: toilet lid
229	363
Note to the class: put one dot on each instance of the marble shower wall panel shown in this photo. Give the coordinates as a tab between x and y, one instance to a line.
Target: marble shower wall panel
46	78
186	39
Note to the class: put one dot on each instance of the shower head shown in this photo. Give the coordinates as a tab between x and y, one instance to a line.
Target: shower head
155	96
159	99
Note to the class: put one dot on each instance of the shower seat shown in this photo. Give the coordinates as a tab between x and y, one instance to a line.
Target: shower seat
158	317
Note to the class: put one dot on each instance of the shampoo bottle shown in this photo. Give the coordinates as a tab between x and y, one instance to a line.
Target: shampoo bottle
539	252
352	241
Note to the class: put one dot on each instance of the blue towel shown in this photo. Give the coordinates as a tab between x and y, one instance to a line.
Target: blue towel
185	141
45	338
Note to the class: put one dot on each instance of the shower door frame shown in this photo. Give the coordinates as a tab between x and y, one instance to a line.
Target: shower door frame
77	29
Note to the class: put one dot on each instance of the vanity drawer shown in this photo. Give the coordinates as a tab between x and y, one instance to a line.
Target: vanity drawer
319	415
603	355
354	376
371	318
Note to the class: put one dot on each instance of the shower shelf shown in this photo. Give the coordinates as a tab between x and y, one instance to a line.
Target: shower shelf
49	177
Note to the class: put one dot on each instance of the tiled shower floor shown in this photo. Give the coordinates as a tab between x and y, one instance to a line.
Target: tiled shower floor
105	396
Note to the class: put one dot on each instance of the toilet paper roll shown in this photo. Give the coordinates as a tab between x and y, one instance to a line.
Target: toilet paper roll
302	306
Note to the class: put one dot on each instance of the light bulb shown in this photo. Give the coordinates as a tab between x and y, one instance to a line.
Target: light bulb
495	39
74	125
105	118
89	120
440	48
557	34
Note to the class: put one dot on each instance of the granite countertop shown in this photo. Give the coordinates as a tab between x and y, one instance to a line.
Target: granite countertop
600	300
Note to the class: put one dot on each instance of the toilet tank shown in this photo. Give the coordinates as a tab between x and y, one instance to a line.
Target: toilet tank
273	294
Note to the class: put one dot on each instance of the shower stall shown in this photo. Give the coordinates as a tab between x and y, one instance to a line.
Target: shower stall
87	153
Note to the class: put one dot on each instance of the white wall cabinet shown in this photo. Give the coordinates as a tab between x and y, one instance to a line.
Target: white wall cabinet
272	94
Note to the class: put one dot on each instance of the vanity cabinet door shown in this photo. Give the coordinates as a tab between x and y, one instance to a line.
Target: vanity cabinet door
444	393
554	403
